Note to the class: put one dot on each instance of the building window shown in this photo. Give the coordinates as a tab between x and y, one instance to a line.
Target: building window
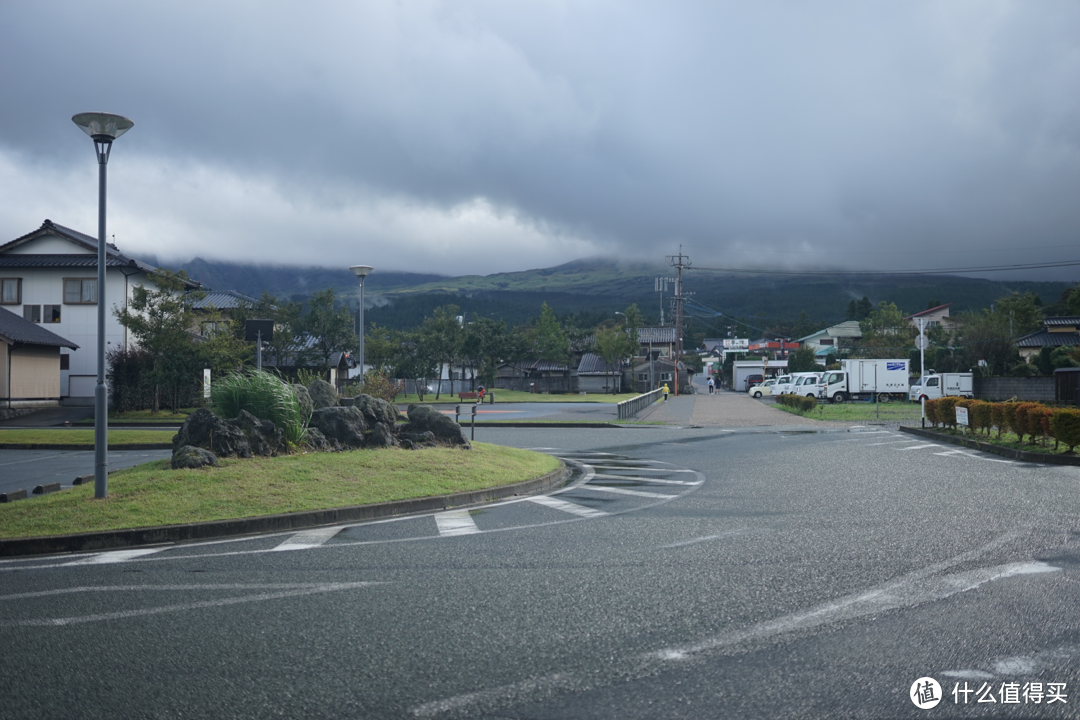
665	377
10	291
80	291
32	313
65	361
643	377
51	314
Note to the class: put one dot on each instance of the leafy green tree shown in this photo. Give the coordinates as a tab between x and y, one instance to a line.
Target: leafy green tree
288	341
161	322
1073	301
885	333
612	345
380	347
1023	312
803	326
552	343
803	359
444	335
329	328
485	345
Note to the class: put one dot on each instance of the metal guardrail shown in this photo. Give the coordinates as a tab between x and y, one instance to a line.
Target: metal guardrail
630	408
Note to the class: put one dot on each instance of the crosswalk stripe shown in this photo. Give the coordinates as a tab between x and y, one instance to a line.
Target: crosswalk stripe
456	522
116	556
647	480
919	447
568	507
309	538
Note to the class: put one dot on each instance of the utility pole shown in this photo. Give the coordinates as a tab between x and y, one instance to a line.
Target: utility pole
679	261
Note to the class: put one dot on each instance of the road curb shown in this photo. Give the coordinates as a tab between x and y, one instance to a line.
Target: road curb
168	534
994	449
90	446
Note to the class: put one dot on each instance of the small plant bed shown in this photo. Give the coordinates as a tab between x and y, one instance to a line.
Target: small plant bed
153	494
1052	429
1007	440
860	412
80	437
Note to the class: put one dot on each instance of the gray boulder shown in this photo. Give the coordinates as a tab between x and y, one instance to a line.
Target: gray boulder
317	442
342	425
380	436
424	418
377	410
424	439
323	394
204	429
303	397
188	457
264	437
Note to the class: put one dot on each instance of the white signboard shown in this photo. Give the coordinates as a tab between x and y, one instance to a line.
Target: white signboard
961	416
737	344
206	383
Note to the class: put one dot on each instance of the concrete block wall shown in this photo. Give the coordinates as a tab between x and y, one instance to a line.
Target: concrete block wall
1030	389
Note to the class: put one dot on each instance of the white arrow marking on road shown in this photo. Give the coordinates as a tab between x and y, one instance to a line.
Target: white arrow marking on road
568	507
456	522
309	538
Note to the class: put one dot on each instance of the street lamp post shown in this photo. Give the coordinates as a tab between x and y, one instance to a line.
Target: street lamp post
361	272
102	128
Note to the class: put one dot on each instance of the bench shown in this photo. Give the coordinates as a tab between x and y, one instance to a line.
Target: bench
467	396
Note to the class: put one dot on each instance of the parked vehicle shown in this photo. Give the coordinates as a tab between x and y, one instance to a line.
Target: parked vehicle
805	384
937	385
865	380
782	385
764	388
753	380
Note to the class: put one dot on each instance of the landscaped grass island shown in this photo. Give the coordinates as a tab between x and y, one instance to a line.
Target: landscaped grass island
153	494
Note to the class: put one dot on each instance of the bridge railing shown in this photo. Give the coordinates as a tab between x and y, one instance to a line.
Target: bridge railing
630	408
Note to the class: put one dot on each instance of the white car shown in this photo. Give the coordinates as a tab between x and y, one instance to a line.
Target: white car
764	388
805	384
782	385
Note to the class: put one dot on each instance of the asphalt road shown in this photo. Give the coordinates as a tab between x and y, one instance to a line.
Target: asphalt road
687	573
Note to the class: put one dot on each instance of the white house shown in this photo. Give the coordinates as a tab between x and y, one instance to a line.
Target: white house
49	276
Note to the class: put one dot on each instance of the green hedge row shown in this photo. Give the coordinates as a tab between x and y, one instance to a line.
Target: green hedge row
800	403
1024	419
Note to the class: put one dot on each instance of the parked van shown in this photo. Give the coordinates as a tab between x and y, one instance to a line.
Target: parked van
805	383
752	380
764	388
783	385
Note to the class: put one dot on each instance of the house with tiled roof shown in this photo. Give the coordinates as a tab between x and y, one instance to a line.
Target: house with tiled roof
30	362
932	317
49	278
1057	331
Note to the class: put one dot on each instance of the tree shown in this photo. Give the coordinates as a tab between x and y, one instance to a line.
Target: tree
329	329
885	333
485	345
859	310
612	345
1023	312
443	334
803	360
803	326
160	321
380	347
552	343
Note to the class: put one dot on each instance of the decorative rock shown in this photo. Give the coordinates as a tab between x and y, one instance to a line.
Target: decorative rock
424	418
381	437
316	441
303	397
377	410
204	429
323	394
264	437
424	439
188	457
342	425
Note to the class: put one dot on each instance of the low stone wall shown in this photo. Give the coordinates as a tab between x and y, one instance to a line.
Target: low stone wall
9	413
1029	389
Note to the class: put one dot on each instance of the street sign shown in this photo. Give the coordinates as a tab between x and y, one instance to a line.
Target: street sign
921	342
961	416
737	344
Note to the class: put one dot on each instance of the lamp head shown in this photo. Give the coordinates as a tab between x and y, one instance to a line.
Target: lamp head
102	127
361	271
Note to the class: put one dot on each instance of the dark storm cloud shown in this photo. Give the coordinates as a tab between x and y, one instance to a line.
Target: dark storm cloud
437	136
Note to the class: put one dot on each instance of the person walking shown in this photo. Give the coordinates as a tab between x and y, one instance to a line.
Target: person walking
711	385
666	391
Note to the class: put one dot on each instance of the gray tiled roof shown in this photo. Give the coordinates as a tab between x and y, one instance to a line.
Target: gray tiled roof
223	300
656	335
17	329
592	364
1043	338
113	256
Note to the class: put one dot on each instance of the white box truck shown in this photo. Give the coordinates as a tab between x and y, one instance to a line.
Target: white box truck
864	380
937	385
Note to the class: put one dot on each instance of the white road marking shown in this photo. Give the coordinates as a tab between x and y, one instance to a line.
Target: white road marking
974	456
625	491
967	674
648	469
308	538
707	538
890	442
291	591
569	507
648	480
920	447
116	556
456	522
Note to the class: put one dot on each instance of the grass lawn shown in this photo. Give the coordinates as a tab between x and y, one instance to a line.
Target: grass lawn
856	412
153	494
516	396
166	417
80	436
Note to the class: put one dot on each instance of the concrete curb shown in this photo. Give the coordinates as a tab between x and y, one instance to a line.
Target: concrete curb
168	534
90	446
994	449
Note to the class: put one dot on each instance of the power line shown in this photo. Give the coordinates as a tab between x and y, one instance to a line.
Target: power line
865	273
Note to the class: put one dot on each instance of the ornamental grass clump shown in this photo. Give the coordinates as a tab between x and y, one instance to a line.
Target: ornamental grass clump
265	396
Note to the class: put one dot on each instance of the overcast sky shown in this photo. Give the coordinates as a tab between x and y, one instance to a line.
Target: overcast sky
484	136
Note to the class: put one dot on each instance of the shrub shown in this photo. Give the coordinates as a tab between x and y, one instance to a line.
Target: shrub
799	403
1009	416
932	412
379	384
979	414
997	416
266	397
1065	426
1026	416
946	410
1044	423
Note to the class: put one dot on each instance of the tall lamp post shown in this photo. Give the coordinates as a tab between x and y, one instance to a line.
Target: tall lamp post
361	272
102	128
